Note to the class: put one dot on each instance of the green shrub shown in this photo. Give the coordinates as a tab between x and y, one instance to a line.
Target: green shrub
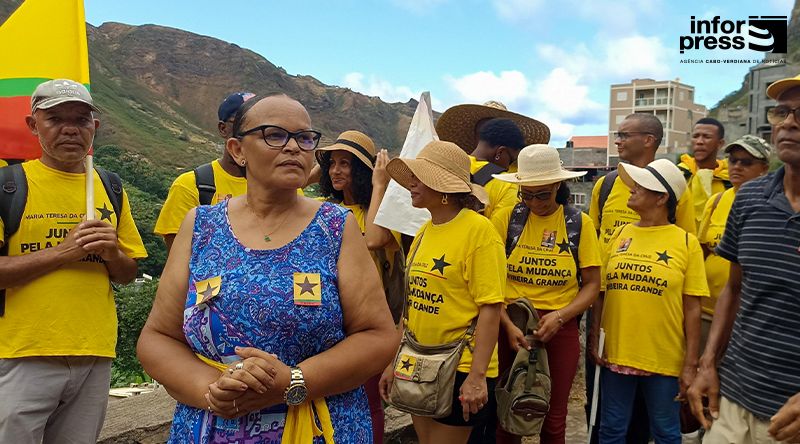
134	302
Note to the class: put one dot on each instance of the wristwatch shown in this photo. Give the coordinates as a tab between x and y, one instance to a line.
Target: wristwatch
296	392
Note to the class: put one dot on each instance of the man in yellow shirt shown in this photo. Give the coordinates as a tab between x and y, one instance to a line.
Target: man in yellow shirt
208	184
59	327
705	175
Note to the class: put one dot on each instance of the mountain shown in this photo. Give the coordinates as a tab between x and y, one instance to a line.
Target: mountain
158	90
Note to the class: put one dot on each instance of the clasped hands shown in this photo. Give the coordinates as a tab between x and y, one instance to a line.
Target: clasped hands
256	382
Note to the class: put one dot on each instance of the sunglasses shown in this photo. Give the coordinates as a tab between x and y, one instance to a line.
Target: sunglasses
541	195
743	161
277	137
780	113
625	135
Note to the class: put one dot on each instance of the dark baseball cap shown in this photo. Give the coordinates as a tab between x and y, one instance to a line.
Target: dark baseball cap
231	104
58	91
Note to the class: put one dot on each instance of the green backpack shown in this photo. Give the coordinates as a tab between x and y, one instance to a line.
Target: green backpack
523	392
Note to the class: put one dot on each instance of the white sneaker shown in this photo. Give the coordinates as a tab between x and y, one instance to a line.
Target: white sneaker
691	438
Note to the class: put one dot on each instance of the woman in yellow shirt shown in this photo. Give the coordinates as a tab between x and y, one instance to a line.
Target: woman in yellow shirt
347	178
748	158
558	271
653	280
456	273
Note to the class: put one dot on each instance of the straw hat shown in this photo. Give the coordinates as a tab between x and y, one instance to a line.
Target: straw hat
355	142
457	124
659	175
538	165
441	166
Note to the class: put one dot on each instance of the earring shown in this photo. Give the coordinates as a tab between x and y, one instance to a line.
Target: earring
444	199
497	157
244	162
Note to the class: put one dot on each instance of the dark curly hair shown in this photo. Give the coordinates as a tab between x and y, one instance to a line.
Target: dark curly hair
361	182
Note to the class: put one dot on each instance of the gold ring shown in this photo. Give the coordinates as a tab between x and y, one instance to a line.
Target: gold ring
239	365
230	370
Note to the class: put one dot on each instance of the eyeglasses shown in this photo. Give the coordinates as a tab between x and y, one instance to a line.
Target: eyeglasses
780	113
743	161
277	137
541	195
625	135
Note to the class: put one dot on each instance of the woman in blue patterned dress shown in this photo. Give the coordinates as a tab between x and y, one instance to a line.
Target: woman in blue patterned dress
270	313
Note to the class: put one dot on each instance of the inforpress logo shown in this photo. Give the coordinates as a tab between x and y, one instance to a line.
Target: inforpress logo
759	33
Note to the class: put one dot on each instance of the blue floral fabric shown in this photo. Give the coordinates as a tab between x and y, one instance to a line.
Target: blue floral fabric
255	307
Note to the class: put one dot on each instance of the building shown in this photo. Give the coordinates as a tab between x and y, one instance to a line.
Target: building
585	153
670	100
758	79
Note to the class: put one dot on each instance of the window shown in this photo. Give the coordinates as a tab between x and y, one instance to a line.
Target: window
578	199
619	118
622	96
691	116
682	96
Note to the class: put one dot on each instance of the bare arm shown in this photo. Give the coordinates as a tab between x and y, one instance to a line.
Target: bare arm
168	240
486	338
724	315
594	332
162	348
691	326
121	268
371	338
376	236
590	288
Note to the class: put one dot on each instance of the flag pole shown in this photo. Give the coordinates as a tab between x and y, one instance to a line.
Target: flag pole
596	388
89	163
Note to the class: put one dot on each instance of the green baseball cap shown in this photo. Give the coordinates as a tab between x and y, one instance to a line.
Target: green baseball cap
58	91
756	146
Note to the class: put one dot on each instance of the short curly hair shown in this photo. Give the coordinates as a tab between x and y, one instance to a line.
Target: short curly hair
361	182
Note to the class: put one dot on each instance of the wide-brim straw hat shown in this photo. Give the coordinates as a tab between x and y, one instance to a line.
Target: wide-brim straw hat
355	142
441	166
660	175
538	165
457	124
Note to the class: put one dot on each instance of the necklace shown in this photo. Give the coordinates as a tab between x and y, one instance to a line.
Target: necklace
267	237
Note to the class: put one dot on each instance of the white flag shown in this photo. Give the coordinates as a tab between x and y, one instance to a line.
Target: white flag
396	212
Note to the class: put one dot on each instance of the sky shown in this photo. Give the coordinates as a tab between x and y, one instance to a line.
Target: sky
552	60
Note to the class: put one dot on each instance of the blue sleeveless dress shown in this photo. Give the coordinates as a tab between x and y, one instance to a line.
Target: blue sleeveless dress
255	308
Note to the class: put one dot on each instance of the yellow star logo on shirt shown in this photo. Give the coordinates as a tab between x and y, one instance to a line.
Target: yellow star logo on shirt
405	367
307	289
207	289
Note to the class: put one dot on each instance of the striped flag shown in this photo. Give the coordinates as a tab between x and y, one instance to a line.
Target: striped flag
41	40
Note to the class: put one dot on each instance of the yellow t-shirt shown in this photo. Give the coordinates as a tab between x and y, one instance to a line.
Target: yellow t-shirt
705	184
541	267
69	311
183	196
647	270
712	226
459	266
501	194
616	212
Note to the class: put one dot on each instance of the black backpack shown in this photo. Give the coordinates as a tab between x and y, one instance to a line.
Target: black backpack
204	180
605	191
15	195
572	218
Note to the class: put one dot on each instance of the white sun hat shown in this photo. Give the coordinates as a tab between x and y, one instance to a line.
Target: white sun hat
538	165
659	175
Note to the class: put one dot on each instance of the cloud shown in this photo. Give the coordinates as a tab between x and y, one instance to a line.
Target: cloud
509	86
376	87
615	60
559	99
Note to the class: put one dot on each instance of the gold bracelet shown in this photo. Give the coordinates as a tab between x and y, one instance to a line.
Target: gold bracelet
560	319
